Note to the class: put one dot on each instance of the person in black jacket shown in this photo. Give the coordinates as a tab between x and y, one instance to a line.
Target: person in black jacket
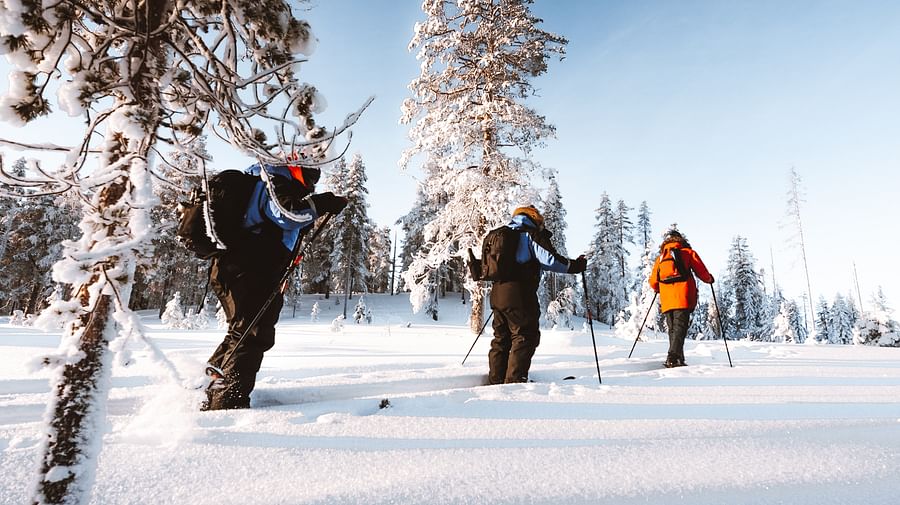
514	301
245	276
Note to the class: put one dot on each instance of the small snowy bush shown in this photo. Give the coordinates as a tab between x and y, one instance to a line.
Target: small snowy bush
314	314
338	323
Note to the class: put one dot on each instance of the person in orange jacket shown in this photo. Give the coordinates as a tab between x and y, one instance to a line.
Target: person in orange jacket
673	278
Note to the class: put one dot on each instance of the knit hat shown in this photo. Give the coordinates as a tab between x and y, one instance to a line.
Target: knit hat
531	213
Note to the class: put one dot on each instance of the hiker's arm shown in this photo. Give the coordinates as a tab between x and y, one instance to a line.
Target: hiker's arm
699	268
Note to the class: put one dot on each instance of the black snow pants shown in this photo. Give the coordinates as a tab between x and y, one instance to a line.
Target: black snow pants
243	284
677	320
516	331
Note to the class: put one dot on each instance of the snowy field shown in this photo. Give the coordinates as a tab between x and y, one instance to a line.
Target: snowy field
789	424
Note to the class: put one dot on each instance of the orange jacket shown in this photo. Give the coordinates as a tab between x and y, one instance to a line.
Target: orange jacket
682	293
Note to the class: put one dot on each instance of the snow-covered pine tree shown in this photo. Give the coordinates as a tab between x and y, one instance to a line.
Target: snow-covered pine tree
554	222
352	227
787	326
471	127
841	321
643	302
604	279
877	326
822	327
34	230
314	313
413	226
624	235
560	311
743	288
379	261
359	313
139	72
173	315
644	231
316	268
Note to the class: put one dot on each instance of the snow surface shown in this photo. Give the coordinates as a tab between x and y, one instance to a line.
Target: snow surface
789	424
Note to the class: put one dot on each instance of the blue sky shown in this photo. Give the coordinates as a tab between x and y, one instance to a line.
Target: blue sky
698	107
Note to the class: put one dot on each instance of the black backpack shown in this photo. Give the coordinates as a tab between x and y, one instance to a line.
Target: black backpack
222	206
676	272
498	255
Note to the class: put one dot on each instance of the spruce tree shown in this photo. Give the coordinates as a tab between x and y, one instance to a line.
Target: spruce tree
743	290
352	227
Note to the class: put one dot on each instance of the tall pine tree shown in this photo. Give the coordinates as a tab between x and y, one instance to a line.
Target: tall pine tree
471	128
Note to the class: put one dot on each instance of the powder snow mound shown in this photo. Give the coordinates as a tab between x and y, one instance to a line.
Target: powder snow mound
783	425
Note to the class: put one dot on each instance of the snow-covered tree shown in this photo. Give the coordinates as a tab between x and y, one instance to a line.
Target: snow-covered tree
554	222
822	327
624	236
786	326
605	282
141	74
796	197
841	321
743	289
314	313
318	272
471	128
173	315
379	261
352	227
562	309
644	308
877	327
337	324
643	230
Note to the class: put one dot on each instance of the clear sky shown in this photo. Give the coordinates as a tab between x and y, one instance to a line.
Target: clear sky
698	107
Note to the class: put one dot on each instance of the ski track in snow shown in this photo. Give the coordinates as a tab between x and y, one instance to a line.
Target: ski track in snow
786	425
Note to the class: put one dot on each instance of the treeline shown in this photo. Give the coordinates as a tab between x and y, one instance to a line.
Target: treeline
351	253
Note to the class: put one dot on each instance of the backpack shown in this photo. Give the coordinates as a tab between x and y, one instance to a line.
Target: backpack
672	268
498	255
211	222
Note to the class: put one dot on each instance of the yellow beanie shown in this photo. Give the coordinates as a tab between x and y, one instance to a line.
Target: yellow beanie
532	213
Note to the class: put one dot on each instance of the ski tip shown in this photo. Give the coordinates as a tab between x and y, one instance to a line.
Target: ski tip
569	378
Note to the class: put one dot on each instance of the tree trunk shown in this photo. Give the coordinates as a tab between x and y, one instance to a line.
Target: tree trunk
65	466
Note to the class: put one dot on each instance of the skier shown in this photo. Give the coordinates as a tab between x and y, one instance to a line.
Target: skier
673	278
245	276
514	297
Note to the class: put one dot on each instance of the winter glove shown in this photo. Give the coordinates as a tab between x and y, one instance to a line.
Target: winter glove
577	265
328	203
711	279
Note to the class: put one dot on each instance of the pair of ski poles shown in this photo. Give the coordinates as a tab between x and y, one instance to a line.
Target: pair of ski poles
590	324
718	316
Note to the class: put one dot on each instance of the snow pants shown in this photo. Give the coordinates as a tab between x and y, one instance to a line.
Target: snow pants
677	321
243	288
516	331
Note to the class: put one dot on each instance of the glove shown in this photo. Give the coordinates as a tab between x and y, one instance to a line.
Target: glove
328	203
577	265
711	279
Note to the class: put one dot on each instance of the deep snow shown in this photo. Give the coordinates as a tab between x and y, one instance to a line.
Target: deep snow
791	424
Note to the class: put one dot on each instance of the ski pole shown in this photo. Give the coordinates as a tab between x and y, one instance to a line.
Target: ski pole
284	278
483	326
650	308
587	307
721	329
